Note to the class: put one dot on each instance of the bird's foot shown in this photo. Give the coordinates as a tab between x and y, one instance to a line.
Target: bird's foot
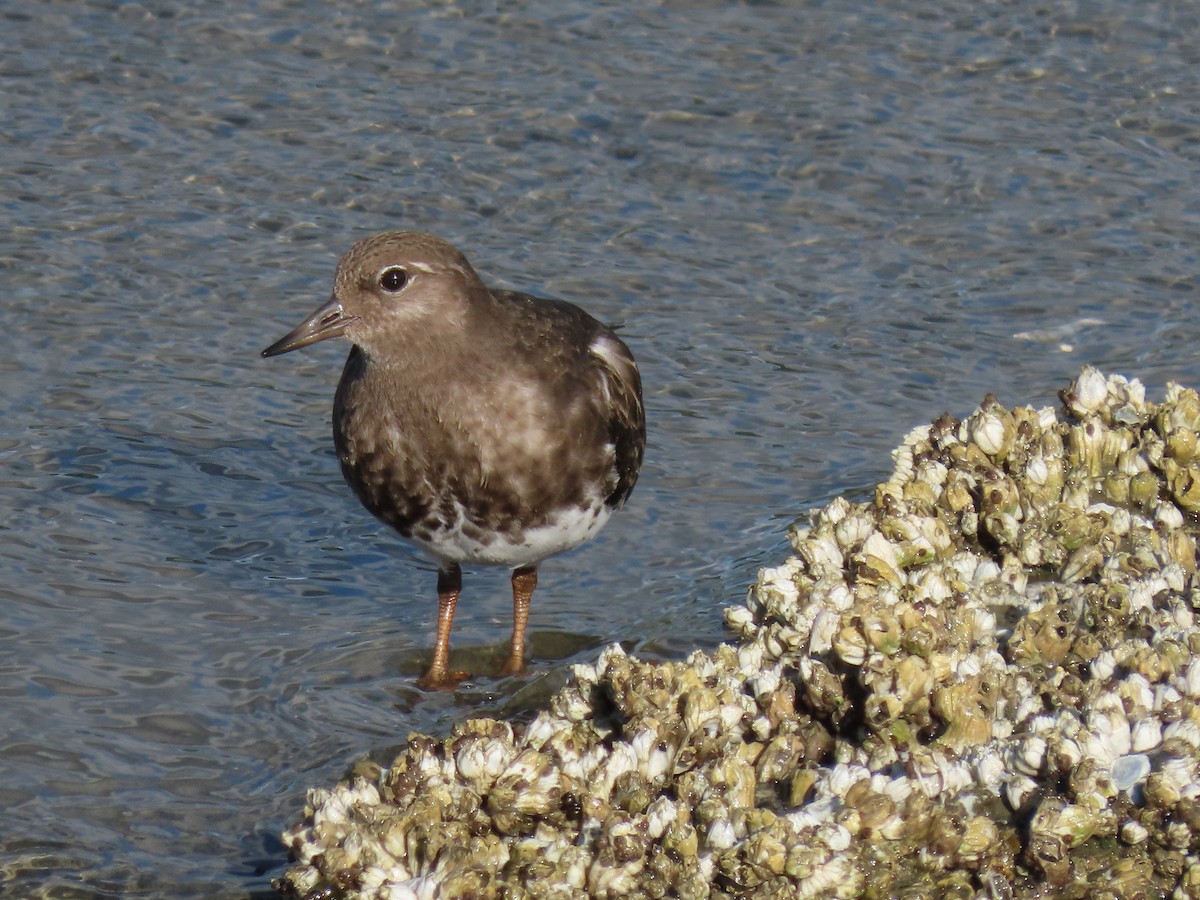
442	679
514	666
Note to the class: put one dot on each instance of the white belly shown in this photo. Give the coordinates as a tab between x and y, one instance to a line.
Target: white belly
566	529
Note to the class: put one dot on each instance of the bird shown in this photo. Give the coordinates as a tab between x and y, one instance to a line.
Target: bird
486	426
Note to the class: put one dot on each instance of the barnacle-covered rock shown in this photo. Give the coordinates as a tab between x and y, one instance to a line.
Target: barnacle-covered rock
985	681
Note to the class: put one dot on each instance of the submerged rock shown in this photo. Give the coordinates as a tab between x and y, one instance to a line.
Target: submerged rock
983	682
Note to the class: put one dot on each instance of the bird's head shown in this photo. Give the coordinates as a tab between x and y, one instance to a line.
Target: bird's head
388	289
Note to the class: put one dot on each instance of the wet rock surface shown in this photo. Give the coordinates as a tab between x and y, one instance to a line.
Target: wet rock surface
984	681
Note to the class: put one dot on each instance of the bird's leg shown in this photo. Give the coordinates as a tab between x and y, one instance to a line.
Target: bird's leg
439	677
524	580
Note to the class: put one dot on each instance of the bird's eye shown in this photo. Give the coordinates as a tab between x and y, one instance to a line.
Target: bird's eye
393	279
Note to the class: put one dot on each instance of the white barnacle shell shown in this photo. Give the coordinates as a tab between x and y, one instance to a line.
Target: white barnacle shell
740	620
1176	576
304	879
933	587
661	812
1129	770
607	880
814	813
935	773
1066	752
878	544
823	555
764	681
1180	616
734	712
721	834
1143	591
1168	516
608	656
993	431
542	729
1028	705
778	641
1108	702
762	728
1046	418
841	778
1104	665
834	836
529	785
749	659
1108	736
622	759
1131	393
961	566
850	644
837	871
326	805
879	567
1180	772
1189	684
1088	392
1165	695
990	769
824	627
838	509
1136	693
836	595
1146	735
480	749
968	666
585	672
1133	832
480	761
1037	472
897	789
932	473
573	703
701	709
1184	730
902	456
1029	755
584	766
986	571
656	757
572	865
1015	575
776	590
1018	789
985	626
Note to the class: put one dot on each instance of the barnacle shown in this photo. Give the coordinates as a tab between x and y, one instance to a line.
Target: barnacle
984	681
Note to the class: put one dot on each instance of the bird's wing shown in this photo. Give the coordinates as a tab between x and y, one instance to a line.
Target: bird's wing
627	418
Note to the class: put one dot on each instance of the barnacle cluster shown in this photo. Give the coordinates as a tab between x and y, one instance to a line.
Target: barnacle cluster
985	681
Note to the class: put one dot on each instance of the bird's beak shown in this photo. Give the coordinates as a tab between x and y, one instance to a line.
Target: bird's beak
328	321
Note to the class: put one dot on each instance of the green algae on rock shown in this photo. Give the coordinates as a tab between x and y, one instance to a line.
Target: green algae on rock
985	681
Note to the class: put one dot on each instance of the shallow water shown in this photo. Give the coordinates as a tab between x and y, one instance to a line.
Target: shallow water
820	227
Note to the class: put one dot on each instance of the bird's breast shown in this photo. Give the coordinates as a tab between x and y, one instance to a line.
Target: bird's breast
475	465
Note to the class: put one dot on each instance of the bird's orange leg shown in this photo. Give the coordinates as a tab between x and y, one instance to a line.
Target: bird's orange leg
439	677
524	580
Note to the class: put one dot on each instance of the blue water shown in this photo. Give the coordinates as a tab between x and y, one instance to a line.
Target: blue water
821	224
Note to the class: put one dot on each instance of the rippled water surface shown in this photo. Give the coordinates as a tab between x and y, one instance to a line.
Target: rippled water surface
821	224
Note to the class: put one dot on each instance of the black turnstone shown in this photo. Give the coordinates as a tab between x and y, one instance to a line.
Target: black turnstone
486	426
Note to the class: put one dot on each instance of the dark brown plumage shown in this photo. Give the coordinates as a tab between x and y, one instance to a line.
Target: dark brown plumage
486	426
